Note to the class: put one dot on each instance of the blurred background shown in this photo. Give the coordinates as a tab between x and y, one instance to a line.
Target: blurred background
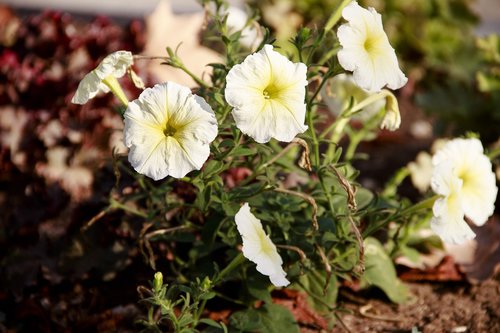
57	174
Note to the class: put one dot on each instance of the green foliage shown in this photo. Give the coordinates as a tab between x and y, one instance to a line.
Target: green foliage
305	193
271	318
380	272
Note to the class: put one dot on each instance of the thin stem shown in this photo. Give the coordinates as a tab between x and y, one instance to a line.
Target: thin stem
424	204
315	142
335	17
494	153
307	198
328	196
237	261
117	204
193	76
176	63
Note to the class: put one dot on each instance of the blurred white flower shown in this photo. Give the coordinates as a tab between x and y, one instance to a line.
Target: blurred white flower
474	169
448	220
421	171
267	93
111	67
337	94
168	131
366	50
258	247
251	36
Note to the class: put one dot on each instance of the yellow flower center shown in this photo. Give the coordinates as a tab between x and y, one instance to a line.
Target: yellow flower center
169	130
372	43
271	91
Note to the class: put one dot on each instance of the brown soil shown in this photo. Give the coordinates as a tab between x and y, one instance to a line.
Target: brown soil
436	307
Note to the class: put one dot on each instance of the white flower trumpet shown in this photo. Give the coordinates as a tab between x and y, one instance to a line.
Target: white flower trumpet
103	78
258	247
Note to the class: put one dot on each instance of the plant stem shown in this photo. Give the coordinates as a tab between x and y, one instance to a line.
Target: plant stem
117	204
112	83
238	260
424	204
176	63
335	17
494	153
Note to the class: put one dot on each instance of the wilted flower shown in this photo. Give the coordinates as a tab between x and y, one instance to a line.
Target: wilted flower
366	50
103	77
258	247
267	93
474	170
392	117
168	131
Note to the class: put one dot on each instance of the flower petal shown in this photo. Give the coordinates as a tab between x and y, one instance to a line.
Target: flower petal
366	50
448	221
115	64
87	89
168	131
267	94
258	247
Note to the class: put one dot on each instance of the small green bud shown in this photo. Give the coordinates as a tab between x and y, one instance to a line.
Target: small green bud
158	281
206	284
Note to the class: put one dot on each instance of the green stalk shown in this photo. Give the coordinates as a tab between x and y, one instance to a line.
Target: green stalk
119	205
237	261
112	83
335	17
494	153
424	204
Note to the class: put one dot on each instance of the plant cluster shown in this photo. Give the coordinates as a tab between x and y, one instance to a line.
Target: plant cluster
241	184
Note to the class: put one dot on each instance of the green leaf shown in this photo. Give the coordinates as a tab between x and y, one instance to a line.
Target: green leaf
270	318
257	287
363	197
212	167
313	284
381	273
210	322
242	151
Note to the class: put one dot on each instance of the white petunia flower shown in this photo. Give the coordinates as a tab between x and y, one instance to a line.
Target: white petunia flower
448	220
474	169
111	67
267	93
258	247
168	131
366	50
